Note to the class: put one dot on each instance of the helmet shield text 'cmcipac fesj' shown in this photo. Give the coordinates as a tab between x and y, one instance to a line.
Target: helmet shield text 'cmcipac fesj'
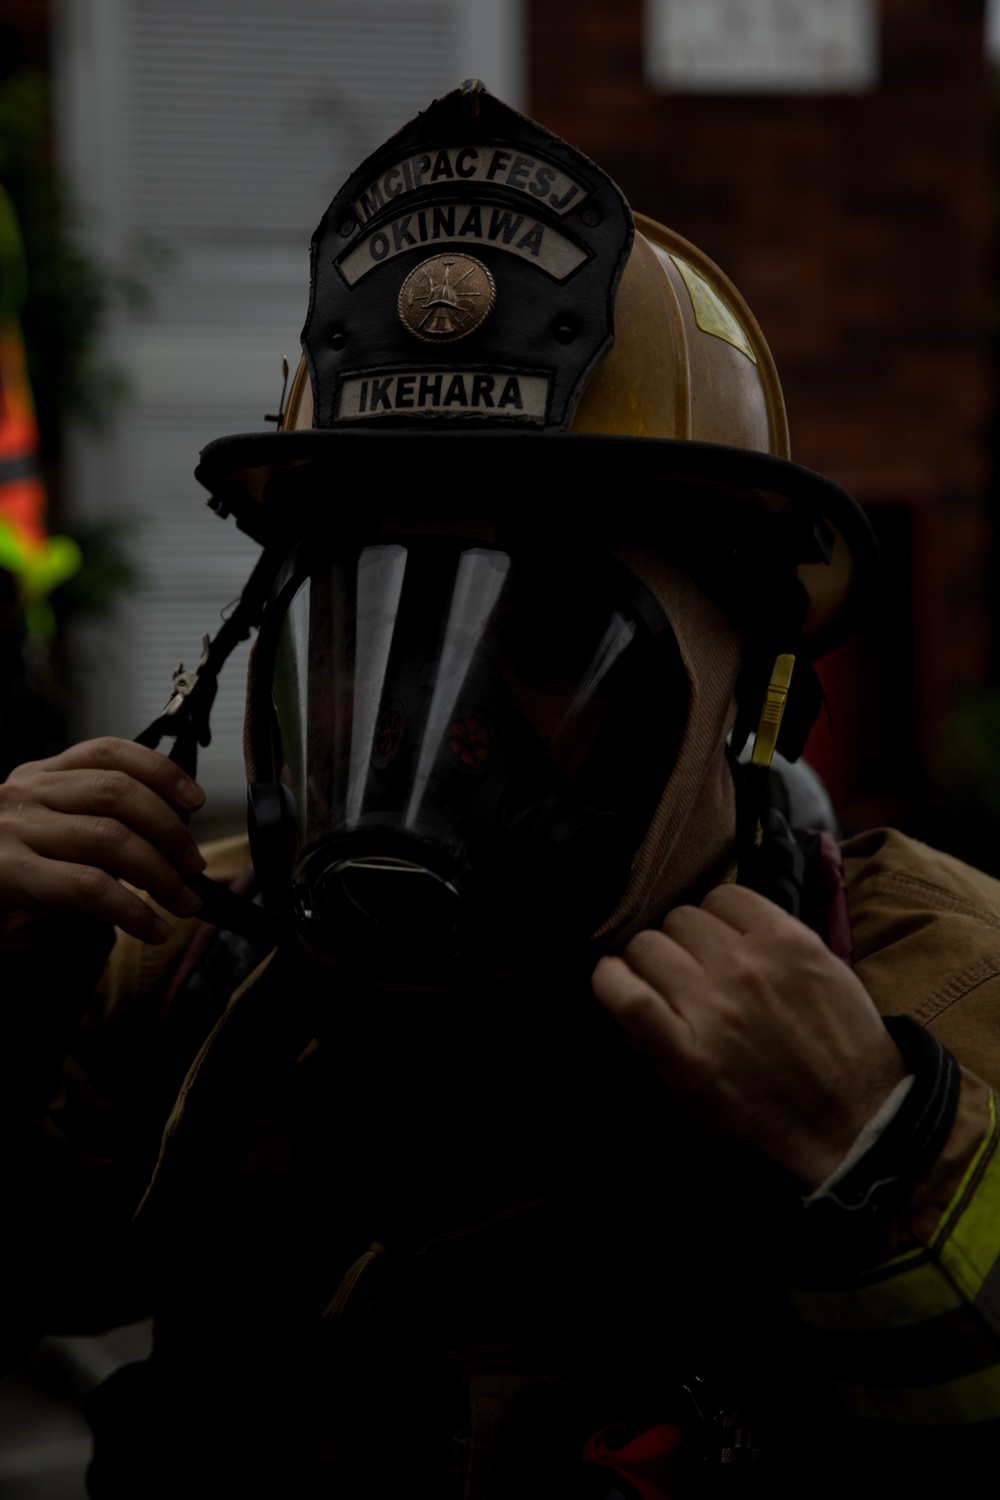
496	250
462	742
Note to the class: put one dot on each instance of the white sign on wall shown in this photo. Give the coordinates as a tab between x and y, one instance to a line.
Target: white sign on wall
762	46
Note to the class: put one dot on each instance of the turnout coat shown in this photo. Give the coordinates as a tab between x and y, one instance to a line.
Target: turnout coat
399	1245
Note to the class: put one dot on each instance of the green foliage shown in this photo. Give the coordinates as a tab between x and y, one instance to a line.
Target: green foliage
107	571
965	756
963	811
64	294
69	292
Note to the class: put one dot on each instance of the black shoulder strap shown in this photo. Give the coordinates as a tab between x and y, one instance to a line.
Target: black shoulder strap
185	718
186	713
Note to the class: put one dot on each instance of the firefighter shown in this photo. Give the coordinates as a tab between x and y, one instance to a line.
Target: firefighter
412	1210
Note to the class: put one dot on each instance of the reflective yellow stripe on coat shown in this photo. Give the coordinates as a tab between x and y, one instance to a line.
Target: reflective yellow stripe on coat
918	1341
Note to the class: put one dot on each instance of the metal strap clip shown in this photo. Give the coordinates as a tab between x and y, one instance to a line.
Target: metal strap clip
773	711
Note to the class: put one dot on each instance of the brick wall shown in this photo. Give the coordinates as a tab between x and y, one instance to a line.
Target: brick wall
860	229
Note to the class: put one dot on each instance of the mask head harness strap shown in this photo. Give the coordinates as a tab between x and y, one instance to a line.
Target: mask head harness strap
185	719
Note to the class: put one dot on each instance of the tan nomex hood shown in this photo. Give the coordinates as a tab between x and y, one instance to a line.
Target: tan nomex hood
691	837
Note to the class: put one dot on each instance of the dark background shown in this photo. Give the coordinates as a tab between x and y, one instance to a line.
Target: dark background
862	231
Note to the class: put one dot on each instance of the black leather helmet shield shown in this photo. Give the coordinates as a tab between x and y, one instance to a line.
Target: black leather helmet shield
465	273
468	742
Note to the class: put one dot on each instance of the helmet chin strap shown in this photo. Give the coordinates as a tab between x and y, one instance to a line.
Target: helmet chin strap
185	719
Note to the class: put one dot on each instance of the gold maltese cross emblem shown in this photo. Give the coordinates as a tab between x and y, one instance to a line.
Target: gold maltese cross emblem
446	297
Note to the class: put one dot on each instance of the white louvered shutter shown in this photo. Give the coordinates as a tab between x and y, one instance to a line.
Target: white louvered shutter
222	129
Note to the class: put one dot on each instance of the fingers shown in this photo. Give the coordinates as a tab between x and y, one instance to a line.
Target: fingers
744	910
700	934
114	847
113	778
643	1006
74	826
670	961
113	797
84	890
138	762
692	943
737	928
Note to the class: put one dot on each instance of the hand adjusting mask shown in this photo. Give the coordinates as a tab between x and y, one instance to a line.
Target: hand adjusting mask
457	747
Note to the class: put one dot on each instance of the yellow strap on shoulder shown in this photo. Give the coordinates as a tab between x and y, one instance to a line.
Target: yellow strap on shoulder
773	710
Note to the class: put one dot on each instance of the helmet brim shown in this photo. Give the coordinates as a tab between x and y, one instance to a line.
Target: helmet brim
777	510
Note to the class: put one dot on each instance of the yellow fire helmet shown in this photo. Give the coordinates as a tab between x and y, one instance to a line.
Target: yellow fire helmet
491	328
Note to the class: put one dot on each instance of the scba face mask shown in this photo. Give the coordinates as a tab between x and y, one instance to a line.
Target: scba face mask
464	737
